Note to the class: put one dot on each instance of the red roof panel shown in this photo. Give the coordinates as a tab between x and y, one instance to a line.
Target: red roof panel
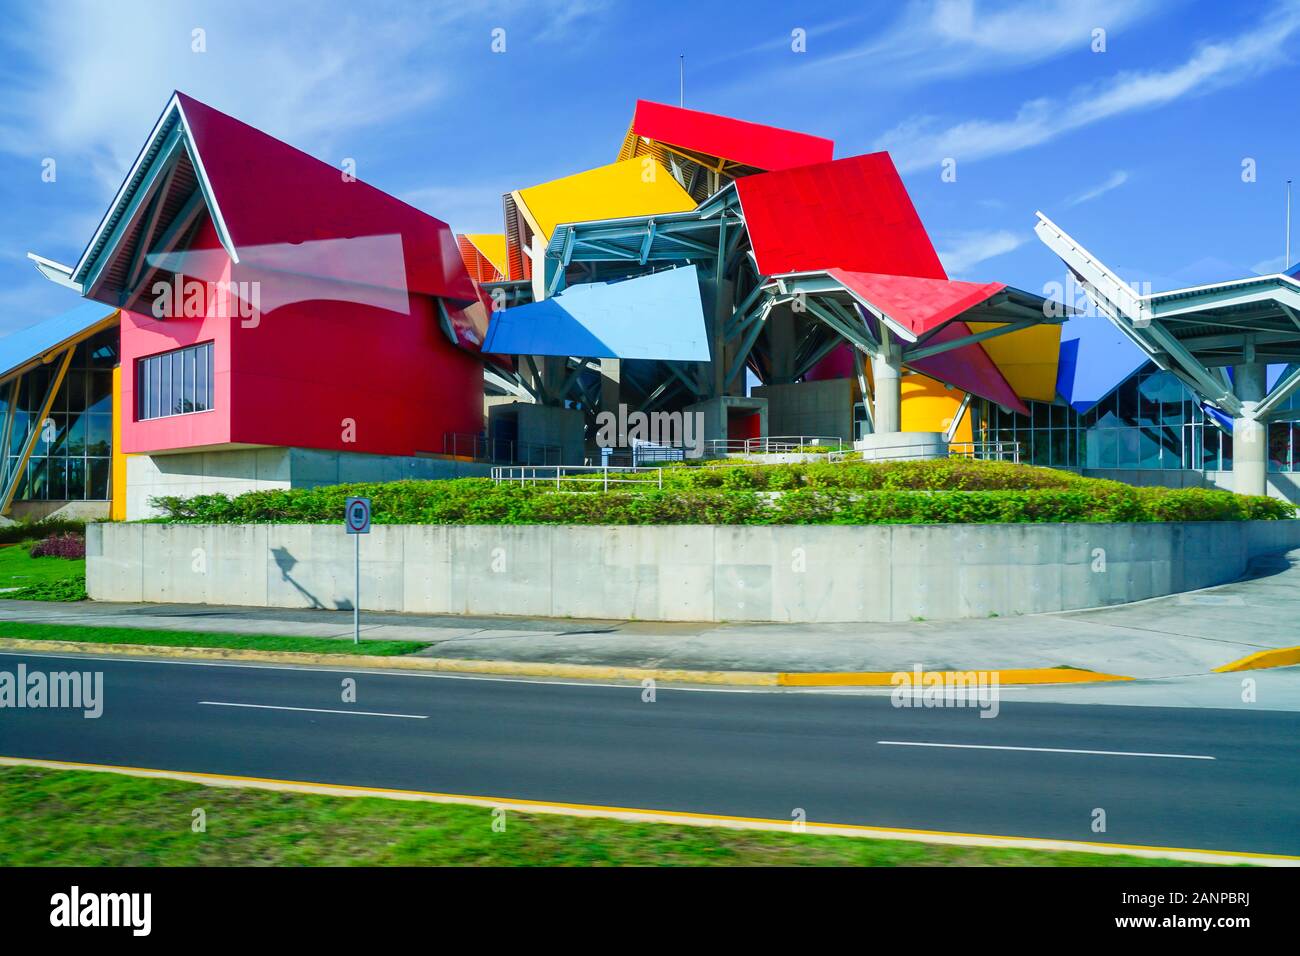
751	144
270	193
851	214
917	304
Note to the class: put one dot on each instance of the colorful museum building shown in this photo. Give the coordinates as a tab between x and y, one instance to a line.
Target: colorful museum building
251	317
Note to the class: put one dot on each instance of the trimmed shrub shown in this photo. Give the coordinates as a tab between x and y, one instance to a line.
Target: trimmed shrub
778	494
29	530
60	546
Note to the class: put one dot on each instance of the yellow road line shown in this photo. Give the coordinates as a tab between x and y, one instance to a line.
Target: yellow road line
677	817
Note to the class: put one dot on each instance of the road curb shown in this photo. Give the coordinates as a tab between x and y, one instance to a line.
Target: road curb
1034	675
438	664
1277	657
593	672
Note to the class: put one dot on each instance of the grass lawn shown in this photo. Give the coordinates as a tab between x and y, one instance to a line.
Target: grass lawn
255	642
44	579
77	818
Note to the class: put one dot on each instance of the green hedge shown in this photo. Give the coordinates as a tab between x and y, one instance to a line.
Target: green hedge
33	530
736	496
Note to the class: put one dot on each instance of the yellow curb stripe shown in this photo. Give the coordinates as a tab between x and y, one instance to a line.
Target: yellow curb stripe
1278	657
686	818
601	672
439	664
1038	675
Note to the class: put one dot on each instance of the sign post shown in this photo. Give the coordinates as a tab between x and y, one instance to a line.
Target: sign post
356	521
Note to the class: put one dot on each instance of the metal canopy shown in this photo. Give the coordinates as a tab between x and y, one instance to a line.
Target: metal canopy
925	319
1196	333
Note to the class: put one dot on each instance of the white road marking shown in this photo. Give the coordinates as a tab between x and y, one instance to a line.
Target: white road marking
1045	750
312	710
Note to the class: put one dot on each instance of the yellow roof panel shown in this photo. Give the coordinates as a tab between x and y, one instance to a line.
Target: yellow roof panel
930	406
633	187
492	247
1027	359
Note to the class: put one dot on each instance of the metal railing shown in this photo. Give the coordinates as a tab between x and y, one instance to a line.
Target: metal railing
482	448
776	445
981	450
576	477
986	450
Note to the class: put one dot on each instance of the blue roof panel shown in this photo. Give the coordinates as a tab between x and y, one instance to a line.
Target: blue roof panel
18	348
656	316
1095	358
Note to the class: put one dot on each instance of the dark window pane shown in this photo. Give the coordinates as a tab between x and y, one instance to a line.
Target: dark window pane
99	392
77	478
201	379
37	485
99	434
155	384
178	382
97	479
211	376
57	473
73	395
1279	446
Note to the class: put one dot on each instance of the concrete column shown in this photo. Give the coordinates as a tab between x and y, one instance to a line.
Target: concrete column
887	370
611	372
1249	436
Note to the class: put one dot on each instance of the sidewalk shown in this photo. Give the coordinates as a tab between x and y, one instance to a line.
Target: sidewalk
1180	635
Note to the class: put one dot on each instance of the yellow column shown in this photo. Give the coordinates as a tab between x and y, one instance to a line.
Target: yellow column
117	480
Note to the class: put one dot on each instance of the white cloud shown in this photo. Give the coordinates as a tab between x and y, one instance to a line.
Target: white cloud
920	141
1113	181
944	38
311	72
971	248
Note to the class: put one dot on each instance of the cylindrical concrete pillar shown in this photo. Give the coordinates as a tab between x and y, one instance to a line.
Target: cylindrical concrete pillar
887	372
1249	436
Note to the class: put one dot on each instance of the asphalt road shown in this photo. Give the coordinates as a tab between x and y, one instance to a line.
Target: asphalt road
709	751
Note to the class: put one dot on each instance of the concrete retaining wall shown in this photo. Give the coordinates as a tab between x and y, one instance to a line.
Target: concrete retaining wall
689	573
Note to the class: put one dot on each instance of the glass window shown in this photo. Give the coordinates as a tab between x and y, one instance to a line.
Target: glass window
1103	448
96	479
175	383
1279	447
1148	449
57	471
77	478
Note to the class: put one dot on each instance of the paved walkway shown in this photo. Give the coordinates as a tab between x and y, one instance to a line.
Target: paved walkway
1181	635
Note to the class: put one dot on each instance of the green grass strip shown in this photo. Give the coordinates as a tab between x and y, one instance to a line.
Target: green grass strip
252	642
78	818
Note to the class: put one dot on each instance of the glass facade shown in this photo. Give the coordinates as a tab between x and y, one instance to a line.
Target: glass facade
71	457
1151	421
174	383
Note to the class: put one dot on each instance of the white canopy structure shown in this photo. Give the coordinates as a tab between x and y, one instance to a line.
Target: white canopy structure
1218	339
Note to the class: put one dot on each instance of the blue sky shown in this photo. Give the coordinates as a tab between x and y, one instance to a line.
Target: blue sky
1137	150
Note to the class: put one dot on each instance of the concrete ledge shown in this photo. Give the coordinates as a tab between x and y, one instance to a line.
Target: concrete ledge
777	573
